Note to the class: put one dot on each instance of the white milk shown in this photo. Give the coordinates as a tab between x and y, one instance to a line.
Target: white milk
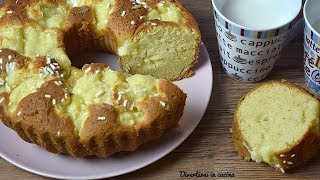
316	26
258	14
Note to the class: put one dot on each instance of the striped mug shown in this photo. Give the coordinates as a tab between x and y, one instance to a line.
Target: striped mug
248	54
312	45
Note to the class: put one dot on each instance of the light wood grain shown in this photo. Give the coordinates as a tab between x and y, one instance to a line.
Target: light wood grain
209	147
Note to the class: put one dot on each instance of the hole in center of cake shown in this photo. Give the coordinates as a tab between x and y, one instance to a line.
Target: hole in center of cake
79	60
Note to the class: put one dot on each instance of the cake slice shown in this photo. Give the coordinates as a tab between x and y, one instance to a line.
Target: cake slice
277	123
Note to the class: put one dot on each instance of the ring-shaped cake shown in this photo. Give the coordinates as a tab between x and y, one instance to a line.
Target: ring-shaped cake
94	111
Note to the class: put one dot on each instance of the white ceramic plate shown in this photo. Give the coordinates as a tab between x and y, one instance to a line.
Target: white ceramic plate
33	158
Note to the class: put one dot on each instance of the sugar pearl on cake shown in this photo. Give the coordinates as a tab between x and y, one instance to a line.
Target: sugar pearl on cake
281	169
121	92
47	96
1	99
53	67
12	66
88	70
102	118
163	104
136	6
54	102
125	103
58	83
100	93
123	13
119	97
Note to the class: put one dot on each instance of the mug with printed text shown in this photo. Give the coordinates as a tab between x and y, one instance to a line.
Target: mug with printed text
311	13
251	35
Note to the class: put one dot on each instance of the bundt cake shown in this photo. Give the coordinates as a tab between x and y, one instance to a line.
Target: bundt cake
277	123
152	37
93	111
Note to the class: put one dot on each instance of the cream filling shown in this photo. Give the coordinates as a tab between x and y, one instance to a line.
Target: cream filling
101	8
22	84
166	11
109	87
48	15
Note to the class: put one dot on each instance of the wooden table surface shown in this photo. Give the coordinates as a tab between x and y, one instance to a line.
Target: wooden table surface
209	148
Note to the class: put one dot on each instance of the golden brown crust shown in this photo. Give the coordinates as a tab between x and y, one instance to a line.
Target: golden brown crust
239	142
190	23
38	122
99	136
79	31
123	28
35	118
301	151
304	149
94	67
9	56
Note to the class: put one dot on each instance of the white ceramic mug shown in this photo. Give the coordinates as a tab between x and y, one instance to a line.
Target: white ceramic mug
311	13
249	54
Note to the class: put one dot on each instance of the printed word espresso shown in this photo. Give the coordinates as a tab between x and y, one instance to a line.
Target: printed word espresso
252	62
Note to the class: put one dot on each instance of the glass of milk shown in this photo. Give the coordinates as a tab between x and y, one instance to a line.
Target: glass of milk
311	12
251	35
